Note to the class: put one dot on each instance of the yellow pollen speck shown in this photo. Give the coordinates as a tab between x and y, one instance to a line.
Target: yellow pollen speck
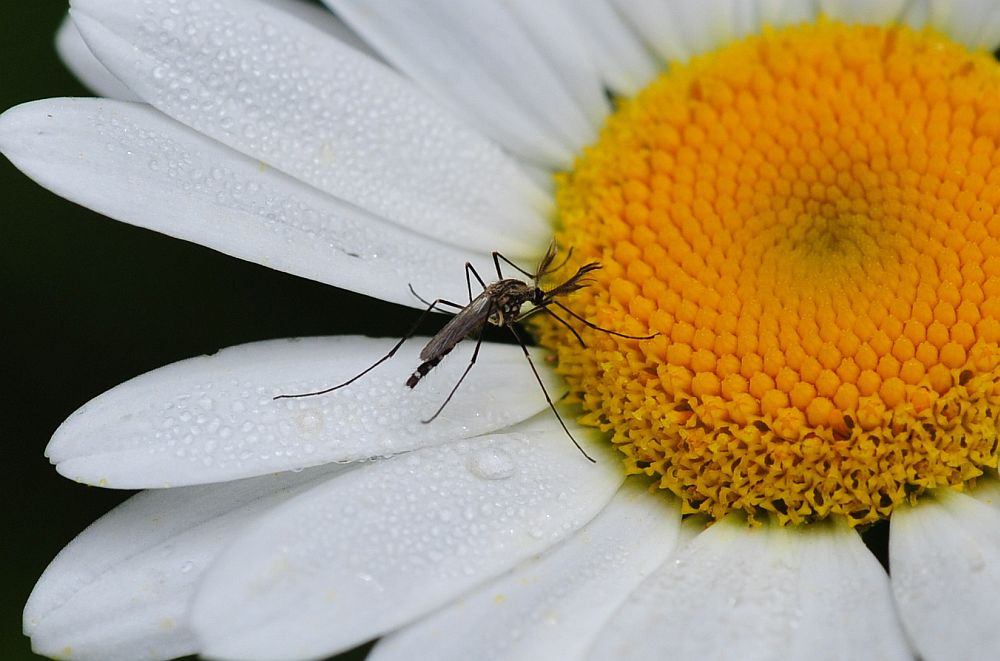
809	221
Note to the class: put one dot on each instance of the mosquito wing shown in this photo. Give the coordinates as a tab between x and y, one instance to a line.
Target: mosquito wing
471	318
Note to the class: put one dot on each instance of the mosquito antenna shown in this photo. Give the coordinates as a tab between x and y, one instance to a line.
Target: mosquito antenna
392	352
548	399
595	326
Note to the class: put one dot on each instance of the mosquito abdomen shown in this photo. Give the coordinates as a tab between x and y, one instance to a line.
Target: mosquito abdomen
424	368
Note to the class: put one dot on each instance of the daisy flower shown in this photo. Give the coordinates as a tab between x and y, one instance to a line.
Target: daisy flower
799	199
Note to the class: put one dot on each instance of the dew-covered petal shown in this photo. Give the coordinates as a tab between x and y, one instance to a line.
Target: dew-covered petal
477	59
771	592
136	165
318	17
81	62
625	65
274	87
383	545
552	607
944	555
975	23
215	418
121	589
863	11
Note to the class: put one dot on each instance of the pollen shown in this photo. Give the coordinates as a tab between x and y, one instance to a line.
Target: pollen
809	221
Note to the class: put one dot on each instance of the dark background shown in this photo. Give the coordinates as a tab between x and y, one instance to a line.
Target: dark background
90	303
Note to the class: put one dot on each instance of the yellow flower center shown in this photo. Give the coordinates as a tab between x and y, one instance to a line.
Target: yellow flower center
809	220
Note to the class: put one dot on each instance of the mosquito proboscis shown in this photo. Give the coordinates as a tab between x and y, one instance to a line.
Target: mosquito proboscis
500	304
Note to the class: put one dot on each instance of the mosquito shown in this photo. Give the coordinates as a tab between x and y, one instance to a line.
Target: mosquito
500	303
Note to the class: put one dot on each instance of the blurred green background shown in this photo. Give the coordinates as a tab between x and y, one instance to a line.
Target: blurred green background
91	303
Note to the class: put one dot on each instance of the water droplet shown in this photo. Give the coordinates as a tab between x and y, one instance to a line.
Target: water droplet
187	566
309	421
492	464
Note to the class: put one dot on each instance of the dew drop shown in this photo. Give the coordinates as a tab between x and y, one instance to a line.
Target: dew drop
187	566
492	464
309	421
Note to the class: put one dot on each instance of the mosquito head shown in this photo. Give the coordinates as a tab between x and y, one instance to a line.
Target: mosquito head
537	295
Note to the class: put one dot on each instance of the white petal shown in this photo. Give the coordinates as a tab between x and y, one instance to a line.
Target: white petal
121	589
281	91
916	14
136	165
620	56
81	62
558	36
988	489
319	17
654	22
944	555
554	606
478	60
215	418
975	23
383	545
863	11
680	29
779	13
772	593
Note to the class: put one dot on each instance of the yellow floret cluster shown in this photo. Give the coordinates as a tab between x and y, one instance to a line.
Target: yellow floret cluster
809	221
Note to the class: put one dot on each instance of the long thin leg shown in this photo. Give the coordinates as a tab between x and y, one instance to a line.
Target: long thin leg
469	268
472	361
496	262
440	300
596	327
546	310
548	399
534	276
392	352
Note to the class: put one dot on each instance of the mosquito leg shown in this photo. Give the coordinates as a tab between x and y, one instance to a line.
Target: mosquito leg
440	300
392	352
544	308
596	327
546	393
496	261
472	361
566	324
470	269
